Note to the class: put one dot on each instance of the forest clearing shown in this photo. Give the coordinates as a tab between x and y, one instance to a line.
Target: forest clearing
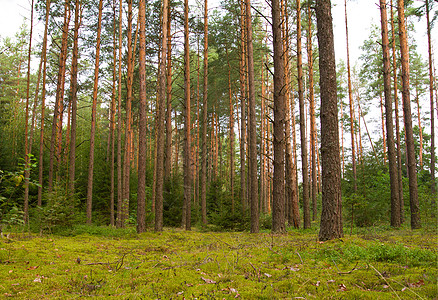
101	262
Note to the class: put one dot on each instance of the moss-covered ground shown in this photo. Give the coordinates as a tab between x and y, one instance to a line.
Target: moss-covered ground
174	264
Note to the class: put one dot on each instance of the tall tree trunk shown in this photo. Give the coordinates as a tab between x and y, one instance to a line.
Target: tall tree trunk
43	105
203	175
350	98
306	203
26	127
242	81
93	118
383	127
119	125
413	188
278	213
231	132
128	124
187	122
160	121
397	120
253	192
313	136
432	115
395	209
168	160
420	150
73	100
331	215
59	92
113	119
142	130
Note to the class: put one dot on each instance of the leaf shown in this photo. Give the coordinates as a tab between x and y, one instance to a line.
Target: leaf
342	288
208	280
268	275
38	279
33	268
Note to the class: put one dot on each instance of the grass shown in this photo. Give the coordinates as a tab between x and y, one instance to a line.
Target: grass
112	263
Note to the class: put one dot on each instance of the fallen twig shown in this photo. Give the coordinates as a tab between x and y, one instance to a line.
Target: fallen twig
349	272
380	274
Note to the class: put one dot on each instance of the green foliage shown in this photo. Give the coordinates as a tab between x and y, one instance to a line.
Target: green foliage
58	212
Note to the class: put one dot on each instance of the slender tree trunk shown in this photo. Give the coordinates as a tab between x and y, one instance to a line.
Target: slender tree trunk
313	136
113	119
253	192
395	209
128	124
187	122
383	128
168	160
203	176
43	106
413	188
142	131
420	150
160	121
331	215
242	80
350	97
73	100
432	115
231	132
26	127
278	213
397	120
59	92
306	202
93	118
119	126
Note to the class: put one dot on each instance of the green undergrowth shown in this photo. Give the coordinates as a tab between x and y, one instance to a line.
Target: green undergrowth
91	261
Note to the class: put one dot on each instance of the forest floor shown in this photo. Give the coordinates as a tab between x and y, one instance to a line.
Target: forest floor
120	264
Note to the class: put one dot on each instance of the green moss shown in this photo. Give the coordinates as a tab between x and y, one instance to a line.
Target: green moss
115	264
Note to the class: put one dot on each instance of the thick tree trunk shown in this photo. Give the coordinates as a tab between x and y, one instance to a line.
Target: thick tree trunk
395	209
93	118
278	213
253	192
413	188
142	130
331	215
160	121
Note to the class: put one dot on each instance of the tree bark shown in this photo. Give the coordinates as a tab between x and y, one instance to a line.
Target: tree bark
168	160
253	192
59	93
432	115
203	176
304	162
93	118
397	120
142	130
187	122
160	121
43	106
278	213
331	215
242	81
413	188
395	209
313	134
